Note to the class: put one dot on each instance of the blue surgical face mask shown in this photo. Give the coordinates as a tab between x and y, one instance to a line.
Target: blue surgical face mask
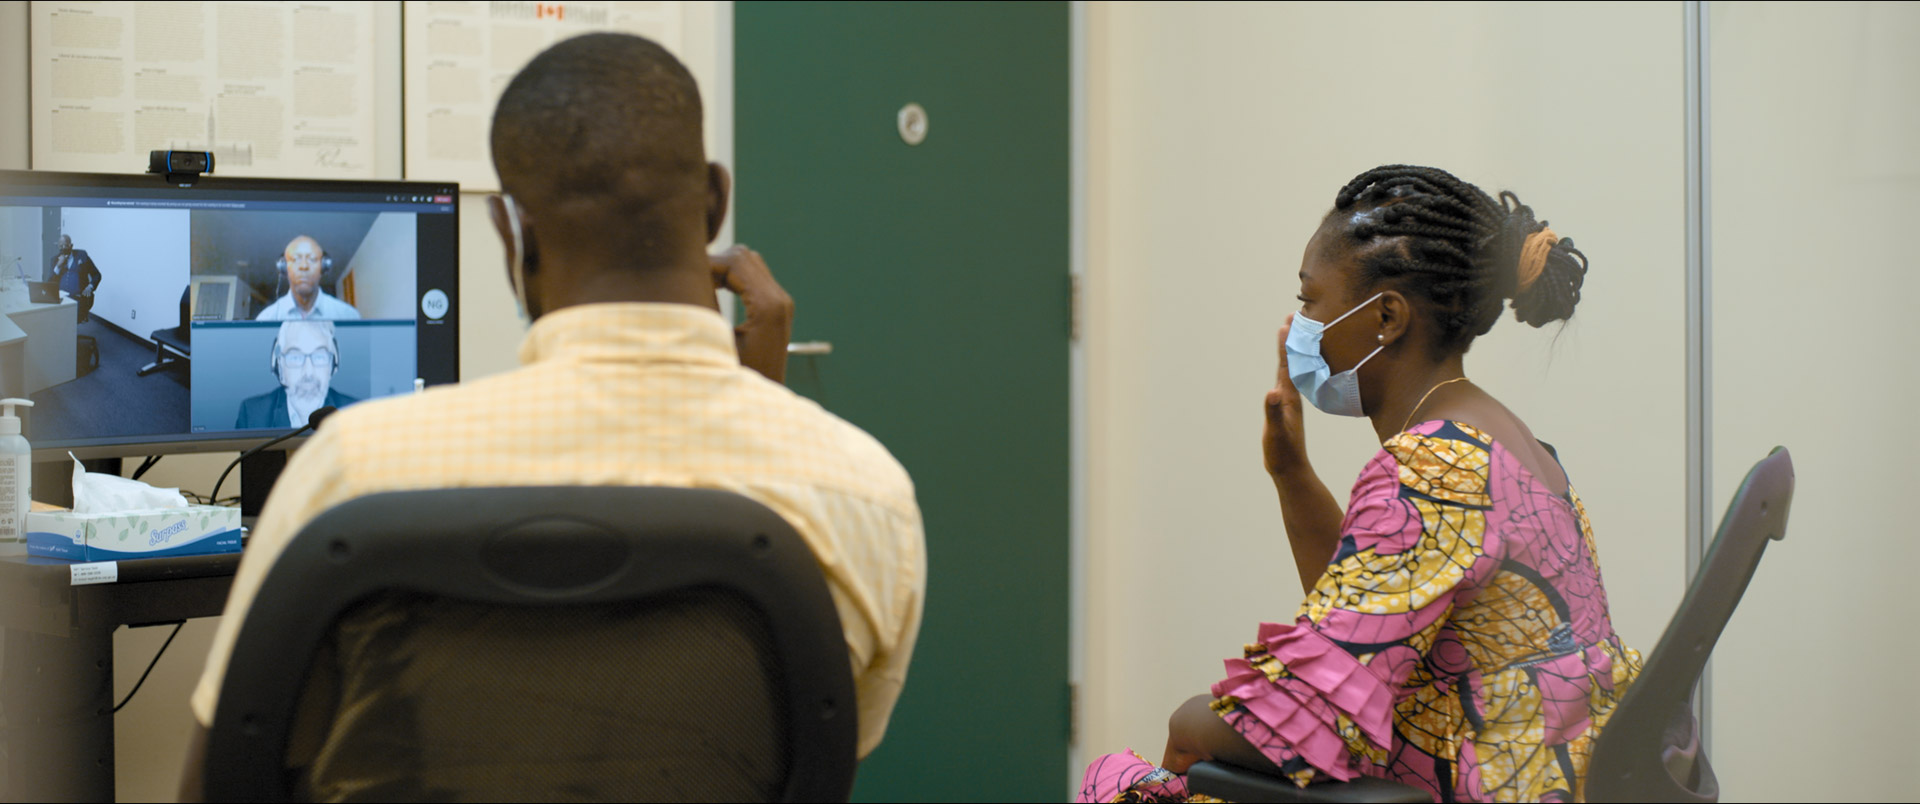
1338	394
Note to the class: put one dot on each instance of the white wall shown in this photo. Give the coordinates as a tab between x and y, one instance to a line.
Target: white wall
143	257
383	267
1219	134
1816	183
20	239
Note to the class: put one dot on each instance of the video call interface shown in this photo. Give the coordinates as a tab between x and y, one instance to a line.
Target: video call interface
232	309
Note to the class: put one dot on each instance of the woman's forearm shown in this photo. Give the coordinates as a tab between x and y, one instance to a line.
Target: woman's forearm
1312	517
1196	734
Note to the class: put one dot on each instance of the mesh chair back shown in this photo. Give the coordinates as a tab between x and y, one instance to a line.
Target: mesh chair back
582	644
1650	748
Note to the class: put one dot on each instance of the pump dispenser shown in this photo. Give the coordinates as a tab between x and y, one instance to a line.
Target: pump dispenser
16	480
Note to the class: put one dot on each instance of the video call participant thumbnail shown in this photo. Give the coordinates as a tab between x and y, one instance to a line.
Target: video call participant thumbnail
303	263
305	357
74	270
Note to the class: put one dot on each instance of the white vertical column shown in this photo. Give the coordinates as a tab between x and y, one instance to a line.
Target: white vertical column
1699	327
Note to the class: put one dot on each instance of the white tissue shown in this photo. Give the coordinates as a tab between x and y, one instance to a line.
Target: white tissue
97	493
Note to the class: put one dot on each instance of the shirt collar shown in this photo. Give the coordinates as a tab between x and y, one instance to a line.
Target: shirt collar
646	331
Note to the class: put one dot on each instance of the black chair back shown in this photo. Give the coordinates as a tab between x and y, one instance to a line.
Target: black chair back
1650	748
578	643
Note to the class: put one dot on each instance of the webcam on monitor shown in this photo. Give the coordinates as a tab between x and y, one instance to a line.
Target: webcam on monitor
180	167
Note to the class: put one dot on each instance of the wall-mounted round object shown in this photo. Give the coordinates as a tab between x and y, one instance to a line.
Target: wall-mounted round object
913	124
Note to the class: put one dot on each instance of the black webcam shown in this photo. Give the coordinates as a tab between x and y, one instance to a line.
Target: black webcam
180	167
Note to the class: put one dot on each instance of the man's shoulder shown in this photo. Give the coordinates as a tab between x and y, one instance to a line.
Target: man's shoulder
258	400
439	404
761	432
835	447
333	307
255	410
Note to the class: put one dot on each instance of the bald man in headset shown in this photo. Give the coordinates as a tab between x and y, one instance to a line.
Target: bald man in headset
303	262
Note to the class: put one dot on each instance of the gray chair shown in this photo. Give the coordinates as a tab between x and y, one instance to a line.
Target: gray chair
604	643
1650	749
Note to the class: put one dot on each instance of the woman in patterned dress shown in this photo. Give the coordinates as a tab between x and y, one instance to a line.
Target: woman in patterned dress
1455	634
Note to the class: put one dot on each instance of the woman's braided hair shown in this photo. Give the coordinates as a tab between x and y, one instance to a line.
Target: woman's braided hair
1426	232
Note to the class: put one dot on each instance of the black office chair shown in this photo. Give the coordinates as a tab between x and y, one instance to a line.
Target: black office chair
1650	748
604	643
179	339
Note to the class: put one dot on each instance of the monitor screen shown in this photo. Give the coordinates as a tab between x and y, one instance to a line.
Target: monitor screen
143	317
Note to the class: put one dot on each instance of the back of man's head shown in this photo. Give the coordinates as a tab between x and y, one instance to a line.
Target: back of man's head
599	139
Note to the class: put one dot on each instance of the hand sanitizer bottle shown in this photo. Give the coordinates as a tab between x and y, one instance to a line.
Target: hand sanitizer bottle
16	480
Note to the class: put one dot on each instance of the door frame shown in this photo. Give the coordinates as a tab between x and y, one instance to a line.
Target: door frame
1079	497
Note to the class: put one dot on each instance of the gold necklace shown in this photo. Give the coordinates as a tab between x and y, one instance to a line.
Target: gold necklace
1423	401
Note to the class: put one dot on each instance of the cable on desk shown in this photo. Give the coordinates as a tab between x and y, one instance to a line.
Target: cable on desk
145	465
156	660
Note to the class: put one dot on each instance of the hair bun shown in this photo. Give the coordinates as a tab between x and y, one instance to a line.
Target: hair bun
1547	270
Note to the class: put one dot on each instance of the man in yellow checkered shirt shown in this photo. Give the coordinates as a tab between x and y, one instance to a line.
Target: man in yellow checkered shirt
630	375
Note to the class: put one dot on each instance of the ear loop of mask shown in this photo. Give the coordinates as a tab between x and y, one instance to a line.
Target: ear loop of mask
1356	308
1376	350
517	263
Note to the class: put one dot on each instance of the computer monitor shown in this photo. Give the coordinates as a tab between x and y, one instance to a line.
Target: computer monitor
223	313
216	298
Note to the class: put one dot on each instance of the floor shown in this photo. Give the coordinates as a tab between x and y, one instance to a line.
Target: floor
112	400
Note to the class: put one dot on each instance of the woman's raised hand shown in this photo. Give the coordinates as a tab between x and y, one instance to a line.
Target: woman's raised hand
1284	441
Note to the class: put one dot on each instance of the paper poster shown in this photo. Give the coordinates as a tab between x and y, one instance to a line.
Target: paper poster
460	56
273	89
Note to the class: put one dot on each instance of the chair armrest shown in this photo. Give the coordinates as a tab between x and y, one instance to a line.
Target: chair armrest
1221	780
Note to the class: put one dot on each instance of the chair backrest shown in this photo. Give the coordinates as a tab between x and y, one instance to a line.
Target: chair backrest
1650	747
580	643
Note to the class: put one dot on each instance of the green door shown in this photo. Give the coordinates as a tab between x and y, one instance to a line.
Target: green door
939	274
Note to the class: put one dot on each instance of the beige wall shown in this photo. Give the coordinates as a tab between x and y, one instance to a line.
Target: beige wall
1816	184
1218	136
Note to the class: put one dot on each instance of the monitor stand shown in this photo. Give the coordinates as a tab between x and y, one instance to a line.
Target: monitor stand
258	472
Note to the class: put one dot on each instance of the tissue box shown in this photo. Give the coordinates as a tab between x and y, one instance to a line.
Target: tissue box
193	530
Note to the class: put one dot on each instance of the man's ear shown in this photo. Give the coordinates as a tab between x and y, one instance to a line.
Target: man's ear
503	226
719	192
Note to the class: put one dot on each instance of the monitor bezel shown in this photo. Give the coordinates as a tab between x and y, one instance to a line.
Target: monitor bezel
172	443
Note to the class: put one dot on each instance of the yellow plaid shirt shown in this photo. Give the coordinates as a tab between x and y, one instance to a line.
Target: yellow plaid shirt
641	395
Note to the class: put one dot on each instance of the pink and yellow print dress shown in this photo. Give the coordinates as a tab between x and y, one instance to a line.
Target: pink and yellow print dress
1458	642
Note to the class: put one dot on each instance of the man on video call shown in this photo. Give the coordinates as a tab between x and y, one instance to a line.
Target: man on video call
304	261
629	375
305	358
77	275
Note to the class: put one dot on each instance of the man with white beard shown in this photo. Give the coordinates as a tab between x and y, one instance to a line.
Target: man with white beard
305	358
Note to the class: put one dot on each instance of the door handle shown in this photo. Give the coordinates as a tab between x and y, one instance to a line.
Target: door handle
810	348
